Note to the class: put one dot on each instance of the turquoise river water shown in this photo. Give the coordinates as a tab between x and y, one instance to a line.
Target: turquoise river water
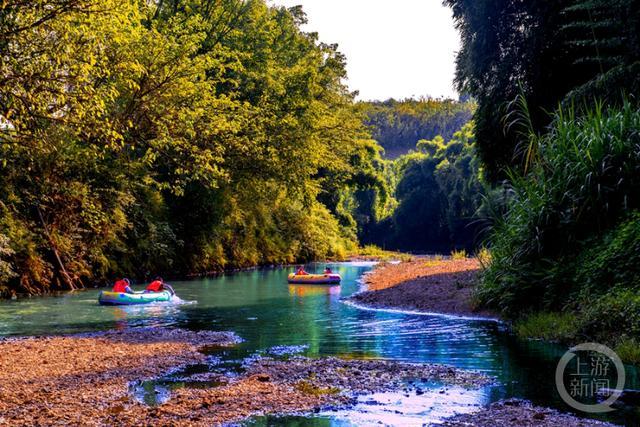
275	318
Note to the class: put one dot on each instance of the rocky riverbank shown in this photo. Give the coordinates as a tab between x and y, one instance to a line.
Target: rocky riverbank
424	284
85	379
520	413
446	286
297	385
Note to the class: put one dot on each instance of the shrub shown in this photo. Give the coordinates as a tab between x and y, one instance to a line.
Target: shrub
616	313
612	261
6	269
629	351
374	252
484	256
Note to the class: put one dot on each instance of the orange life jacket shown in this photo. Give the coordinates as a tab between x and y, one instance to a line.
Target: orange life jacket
120	286
155	286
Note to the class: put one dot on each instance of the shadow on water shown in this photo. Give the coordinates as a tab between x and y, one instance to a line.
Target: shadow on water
310	320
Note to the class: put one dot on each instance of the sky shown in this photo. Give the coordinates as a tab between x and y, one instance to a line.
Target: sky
394	48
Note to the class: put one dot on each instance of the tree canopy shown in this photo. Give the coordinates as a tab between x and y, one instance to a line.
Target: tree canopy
546	51
437	189
175	136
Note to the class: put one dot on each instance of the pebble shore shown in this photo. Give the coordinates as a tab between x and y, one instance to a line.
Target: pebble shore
84	380
424	284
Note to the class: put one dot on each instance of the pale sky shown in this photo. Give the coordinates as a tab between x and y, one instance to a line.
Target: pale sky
394	48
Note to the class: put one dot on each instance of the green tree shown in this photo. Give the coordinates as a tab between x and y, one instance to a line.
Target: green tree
177	136
438	190
542	50
397	125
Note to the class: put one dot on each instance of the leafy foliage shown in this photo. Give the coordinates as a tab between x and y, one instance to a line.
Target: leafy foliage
565	220
172	136
617	311
611	261
585	182
548	326
547	51
6	271
438	190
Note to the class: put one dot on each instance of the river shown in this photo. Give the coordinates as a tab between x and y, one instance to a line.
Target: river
275	318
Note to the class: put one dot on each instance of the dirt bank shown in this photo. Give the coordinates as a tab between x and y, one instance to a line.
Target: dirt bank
429	285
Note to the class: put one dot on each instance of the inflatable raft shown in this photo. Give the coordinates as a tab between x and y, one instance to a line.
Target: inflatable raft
314	279
122	298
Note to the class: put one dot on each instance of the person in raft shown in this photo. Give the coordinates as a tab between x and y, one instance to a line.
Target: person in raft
327	270
301	271
123	285
158	285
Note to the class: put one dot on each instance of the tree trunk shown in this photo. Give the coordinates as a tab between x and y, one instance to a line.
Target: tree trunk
63	270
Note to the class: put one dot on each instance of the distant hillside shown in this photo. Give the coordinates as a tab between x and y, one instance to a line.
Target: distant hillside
399	125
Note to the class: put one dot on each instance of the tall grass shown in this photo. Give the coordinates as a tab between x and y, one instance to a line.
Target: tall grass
374	252
586	175
458	254
547	326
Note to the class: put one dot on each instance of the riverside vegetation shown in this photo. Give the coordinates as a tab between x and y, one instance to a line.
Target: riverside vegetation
436	190
565	237
171	136
187	136
554	194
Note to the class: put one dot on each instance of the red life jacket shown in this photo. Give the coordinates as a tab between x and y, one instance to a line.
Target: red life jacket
155	286
120	286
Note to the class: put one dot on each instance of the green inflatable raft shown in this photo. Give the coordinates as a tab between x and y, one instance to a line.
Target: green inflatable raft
122	298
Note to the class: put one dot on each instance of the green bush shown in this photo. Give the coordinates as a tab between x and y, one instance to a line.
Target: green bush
6	269
629	351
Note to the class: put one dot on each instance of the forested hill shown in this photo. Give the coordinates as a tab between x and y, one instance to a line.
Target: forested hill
399	125
436	190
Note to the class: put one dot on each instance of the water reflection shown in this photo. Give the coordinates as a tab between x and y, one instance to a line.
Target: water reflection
431	404
310	290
